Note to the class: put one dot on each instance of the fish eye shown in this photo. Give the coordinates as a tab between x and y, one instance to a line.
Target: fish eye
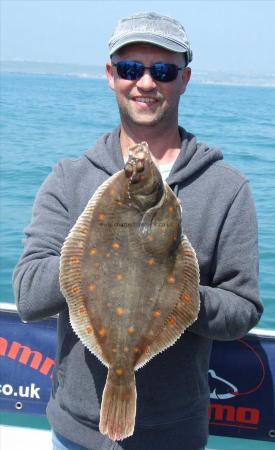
128	170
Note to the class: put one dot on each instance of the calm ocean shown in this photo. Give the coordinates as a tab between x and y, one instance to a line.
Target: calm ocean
47	117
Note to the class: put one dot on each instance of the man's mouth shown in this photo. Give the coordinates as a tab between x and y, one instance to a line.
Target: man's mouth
147	100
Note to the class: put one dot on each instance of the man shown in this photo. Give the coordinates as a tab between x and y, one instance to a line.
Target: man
148	72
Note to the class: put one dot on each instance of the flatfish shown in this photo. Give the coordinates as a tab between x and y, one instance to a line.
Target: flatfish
130	279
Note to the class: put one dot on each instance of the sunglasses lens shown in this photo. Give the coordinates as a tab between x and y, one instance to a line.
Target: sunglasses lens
129	70
132	70
164	72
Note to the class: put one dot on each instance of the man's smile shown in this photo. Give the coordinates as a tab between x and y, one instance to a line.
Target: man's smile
145	100
145	103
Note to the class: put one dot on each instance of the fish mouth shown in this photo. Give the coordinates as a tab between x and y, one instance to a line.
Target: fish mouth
137	157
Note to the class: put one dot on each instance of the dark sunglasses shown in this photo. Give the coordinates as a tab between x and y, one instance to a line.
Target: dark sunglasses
132	70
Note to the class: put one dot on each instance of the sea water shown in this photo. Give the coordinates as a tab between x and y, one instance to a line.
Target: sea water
48	117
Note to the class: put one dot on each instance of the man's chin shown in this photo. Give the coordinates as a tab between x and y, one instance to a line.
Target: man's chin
146	122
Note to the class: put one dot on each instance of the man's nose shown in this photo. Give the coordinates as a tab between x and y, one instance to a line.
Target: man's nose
146	82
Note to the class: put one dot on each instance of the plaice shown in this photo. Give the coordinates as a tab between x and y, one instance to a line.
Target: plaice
130	279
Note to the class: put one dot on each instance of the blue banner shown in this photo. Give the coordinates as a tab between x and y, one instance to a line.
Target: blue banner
242	380
241	377
27	359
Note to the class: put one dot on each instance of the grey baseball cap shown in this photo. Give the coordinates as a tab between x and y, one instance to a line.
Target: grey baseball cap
152	28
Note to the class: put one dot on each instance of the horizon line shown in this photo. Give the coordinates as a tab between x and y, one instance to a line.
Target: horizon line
102	66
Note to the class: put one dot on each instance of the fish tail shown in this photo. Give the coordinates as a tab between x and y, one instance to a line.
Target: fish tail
118	407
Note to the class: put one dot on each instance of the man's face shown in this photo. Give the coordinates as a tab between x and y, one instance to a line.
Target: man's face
146	102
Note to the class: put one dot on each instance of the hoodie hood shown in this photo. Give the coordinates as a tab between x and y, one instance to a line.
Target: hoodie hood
106	154
193	158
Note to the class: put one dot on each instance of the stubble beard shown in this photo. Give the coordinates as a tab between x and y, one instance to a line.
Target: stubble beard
160	120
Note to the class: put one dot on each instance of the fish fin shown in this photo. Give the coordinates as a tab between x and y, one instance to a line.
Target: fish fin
71	287
118	409
187	303
70	279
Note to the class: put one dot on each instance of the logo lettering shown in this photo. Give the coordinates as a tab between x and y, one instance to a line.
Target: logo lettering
25	355
22	391
47	365
222	412
248	415
7	389
34	391
3	346
228	414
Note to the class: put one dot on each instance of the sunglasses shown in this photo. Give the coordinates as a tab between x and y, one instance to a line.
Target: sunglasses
132	70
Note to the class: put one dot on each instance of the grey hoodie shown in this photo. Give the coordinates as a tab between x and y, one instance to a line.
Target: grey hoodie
220	221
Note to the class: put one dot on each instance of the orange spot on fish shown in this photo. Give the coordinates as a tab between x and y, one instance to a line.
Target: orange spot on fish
170	210
137	349
120	311
119	277
74	260
126	349
171	279
157	313
185	297
75	290
131	330
114	349
82	311
115	245
89	329
171	321
151	262
92	287
93	251
102	217
119	372
102	332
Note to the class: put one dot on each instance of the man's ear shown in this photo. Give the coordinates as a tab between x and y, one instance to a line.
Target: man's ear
186	75
109	69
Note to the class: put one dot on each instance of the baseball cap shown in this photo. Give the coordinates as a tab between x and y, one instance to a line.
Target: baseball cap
152	28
